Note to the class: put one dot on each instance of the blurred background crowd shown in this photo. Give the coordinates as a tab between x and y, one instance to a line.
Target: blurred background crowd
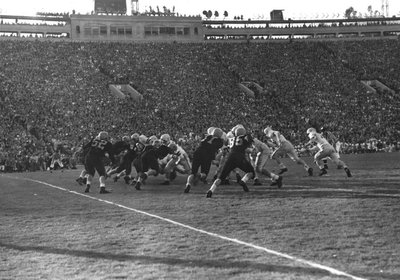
55	95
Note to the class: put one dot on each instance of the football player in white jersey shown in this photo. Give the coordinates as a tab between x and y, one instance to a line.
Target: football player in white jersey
178	162
263	153
324	150
284	147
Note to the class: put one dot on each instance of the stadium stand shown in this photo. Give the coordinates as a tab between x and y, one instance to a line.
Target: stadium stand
56	94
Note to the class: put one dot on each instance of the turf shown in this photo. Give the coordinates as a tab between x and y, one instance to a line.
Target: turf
348	224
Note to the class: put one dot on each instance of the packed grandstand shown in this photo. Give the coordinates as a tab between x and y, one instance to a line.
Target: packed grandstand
56	93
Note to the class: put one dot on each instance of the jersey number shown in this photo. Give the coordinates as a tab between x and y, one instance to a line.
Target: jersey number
100	144
235	142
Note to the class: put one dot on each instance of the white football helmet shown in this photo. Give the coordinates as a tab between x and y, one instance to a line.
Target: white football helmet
210	130
135	137
239	131
311	130
143	139
103	135
267	130
152	138
165	139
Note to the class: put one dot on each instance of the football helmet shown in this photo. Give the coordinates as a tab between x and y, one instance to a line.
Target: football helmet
152	138
210	130
156	143
173	146
267	130
239	131
217	132
165	139
143	139
103	135
135	136
311	130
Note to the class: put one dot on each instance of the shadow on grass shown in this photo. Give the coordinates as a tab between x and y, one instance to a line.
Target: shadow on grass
244	266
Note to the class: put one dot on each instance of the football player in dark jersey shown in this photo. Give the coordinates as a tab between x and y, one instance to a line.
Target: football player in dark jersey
124	168
203	157
149	161
81	180
100	147
236	158
119	149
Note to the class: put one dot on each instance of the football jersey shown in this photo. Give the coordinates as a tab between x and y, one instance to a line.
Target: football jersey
209	146
276	137
99	148
319	140
239	144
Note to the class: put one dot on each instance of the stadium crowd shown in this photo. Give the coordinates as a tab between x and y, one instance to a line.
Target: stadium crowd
56	94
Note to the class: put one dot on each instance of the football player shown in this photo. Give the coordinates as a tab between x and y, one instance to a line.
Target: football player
203	156
149	165
236	158
100	147
284	147
324	150
263	153
125	167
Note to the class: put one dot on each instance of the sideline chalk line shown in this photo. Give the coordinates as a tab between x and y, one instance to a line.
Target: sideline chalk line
234	240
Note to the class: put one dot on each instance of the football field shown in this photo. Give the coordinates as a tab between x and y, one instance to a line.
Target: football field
329	227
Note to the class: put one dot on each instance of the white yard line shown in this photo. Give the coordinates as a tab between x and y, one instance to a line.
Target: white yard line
272	252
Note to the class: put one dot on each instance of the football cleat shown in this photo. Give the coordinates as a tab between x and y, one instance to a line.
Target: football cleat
137	185
209	194
310	171
103	190
87	188
323	172
279	182
187	189
80	181
165	183
244	186
348	172
283	170
275	182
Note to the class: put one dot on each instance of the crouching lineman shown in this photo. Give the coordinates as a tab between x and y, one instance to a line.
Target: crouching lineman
236	158
285	147
100	147
203	157
263	153
178	162
325	150
125	167
149	161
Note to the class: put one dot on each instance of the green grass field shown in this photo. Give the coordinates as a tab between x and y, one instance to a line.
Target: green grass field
329	227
